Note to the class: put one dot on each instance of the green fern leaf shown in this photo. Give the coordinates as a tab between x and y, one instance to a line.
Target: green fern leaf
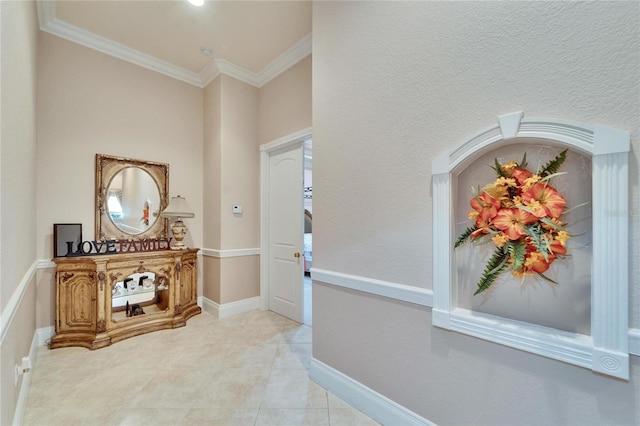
539	240
464	236
496	266
517	251
554	165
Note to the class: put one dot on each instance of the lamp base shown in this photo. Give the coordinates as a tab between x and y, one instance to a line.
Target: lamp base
179	230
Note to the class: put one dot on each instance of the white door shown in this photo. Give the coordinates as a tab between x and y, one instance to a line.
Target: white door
286	224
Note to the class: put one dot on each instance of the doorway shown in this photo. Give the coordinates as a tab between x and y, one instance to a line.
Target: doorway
308	228
282	260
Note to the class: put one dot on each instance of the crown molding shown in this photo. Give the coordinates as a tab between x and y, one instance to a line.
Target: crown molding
295	54
50	23
209	73
237	72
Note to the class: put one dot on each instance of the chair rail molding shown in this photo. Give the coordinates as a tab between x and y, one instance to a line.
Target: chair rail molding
403	292
606	350
15	300
207	252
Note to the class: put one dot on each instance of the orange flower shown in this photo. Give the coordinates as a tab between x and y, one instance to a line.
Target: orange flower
512	222
537	263
557	247
521	175
478	232
519	213
544	200
486	206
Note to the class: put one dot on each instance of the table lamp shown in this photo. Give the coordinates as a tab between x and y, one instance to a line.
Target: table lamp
178	209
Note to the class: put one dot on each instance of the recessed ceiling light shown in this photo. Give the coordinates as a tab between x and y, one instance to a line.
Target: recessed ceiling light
196	2
206	51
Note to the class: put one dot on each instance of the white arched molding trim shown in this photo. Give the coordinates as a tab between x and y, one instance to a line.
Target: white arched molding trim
606	350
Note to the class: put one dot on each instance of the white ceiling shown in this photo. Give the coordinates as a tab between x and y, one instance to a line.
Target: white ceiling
252	40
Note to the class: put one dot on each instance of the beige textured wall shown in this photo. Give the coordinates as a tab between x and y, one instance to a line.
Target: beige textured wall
18	198
237	117
212	159
92	103
232	176
451	379
417	79
211	278
284	106
240	165
18	205
240	277
212	188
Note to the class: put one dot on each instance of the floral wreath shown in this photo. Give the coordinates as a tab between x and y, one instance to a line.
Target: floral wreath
520	213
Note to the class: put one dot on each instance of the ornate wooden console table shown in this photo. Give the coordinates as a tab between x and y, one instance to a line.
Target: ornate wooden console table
103	299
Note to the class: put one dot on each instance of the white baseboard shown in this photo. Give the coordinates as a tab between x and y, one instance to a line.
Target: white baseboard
370	402
229	309
209	306
44	334
21	404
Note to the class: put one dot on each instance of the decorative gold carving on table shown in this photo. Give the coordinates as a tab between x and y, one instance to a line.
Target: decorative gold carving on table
114	278
101	279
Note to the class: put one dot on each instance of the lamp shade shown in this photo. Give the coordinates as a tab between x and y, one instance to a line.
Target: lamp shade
177	208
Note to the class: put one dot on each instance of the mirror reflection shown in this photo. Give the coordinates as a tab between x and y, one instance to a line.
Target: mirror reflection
139	294
129	195
133	200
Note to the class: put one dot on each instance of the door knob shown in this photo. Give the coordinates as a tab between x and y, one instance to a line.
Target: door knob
297	254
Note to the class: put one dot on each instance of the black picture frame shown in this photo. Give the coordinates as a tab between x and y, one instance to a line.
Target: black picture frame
63	233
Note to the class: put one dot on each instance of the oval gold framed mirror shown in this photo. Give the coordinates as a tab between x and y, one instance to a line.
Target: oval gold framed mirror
129	196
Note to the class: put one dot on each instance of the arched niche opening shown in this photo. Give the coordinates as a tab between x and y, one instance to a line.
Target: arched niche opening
586	322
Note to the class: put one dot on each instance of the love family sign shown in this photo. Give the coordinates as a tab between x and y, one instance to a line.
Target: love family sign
94	248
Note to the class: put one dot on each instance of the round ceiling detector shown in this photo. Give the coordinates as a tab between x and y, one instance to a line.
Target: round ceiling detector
206	51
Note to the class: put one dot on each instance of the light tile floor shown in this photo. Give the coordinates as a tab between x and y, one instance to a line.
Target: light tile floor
249	369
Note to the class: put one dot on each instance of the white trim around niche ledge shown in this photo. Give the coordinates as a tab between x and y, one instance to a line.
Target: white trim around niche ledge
606	350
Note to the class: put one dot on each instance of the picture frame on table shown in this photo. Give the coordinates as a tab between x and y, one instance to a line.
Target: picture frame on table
63	233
